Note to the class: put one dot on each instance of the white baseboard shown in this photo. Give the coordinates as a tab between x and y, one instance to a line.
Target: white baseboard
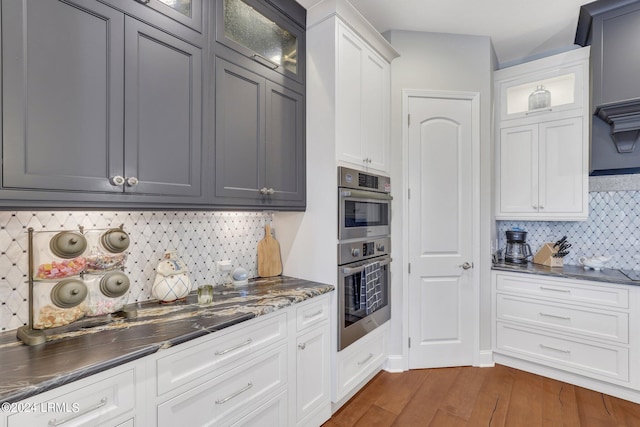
485	359
395	363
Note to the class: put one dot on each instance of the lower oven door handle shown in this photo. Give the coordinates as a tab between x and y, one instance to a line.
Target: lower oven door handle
353	270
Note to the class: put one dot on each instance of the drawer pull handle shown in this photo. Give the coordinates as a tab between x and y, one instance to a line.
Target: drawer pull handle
365	360
236	394
555	349
554	316
545	288
53	422
317	313
265	61
220	353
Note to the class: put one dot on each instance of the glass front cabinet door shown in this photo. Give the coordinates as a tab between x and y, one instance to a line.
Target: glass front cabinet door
534	92
187	12
263	34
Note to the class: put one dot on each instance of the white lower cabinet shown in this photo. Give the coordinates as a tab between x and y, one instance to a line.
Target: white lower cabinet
270	371
273	413
274	370
313	375
582	332
360	360
109	398
220	401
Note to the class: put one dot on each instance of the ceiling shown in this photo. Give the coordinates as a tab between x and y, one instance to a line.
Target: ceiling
518	28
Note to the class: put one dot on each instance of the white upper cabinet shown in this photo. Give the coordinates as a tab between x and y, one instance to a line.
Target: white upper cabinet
542	139
362	108
352	62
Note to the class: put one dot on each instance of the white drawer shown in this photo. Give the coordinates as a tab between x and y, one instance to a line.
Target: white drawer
360	359
557	289
93	405
608	325
595	360
197	361
312	313
273	413
235	391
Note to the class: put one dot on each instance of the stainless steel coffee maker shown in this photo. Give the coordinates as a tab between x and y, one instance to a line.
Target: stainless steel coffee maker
518	250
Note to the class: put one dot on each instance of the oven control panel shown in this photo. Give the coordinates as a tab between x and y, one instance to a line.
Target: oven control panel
363	249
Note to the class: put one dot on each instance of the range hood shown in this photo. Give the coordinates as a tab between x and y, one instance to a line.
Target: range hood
612	28
624	120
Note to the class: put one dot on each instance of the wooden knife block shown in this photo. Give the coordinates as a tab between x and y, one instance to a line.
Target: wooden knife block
545	256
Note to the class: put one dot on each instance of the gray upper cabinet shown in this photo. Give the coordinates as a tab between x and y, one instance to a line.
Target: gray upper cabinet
265	34
259	141
62	95
95	102
163	95
187	12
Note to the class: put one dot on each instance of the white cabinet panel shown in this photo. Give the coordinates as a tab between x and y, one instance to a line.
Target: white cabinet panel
272	413
561	167
596	360
359	360
362	103
192	363
310	315
562	290
609	325
95	404
313	374
519	169
232	391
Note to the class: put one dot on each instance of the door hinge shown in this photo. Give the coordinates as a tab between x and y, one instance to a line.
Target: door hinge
408	119
409	268
408	193
409	342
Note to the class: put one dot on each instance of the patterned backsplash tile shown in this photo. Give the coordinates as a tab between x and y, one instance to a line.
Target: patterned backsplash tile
613	228
199	238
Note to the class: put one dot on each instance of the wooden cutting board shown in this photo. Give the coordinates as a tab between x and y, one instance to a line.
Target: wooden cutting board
269	261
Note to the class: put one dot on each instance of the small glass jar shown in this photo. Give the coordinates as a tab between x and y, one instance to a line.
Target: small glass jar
539	98
205	294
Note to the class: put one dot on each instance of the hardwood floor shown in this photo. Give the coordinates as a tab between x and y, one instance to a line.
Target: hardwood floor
490	397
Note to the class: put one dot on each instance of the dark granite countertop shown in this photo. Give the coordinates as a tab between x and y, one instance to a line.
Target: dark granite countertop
607	275
93	345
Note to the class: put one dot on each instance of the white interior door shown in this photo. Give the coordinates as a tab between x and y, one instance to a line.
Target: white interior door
440	211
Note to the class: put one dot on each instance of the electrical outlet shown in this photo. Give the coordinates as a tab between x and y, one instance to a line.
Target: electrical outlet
224	266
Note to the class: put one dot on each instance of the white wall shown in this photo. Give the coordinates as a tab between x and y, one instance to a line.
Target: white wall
435	61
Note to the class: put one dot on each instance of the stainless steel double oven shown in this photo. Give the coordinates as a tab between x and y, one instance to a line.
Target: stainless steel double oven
364	248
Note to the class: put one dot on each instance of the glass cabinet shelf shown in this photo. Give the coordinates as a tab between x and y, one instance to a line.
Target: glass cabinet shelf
562	91
564	86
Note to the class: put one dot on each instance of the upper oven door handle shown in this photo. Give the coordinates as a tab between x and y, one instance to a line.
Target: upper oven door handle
360	194
353	270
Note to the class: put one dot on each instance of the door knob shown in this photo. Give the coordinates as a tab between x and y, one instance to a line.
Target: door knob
466	266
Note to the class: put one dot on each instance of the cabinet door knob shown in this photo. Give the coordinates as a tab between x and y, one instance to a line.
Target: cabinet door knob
271	191
143	1
117	180
535	207
302	346
263	190
132	181
541	207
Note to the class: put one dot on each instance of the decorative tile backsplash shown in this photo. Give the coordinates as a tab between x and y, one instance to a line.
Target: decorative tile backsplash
613	228
200	239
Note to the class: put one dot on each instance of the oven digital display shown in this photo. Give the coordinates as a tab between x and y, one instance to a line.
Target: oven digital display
368	249
363	214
